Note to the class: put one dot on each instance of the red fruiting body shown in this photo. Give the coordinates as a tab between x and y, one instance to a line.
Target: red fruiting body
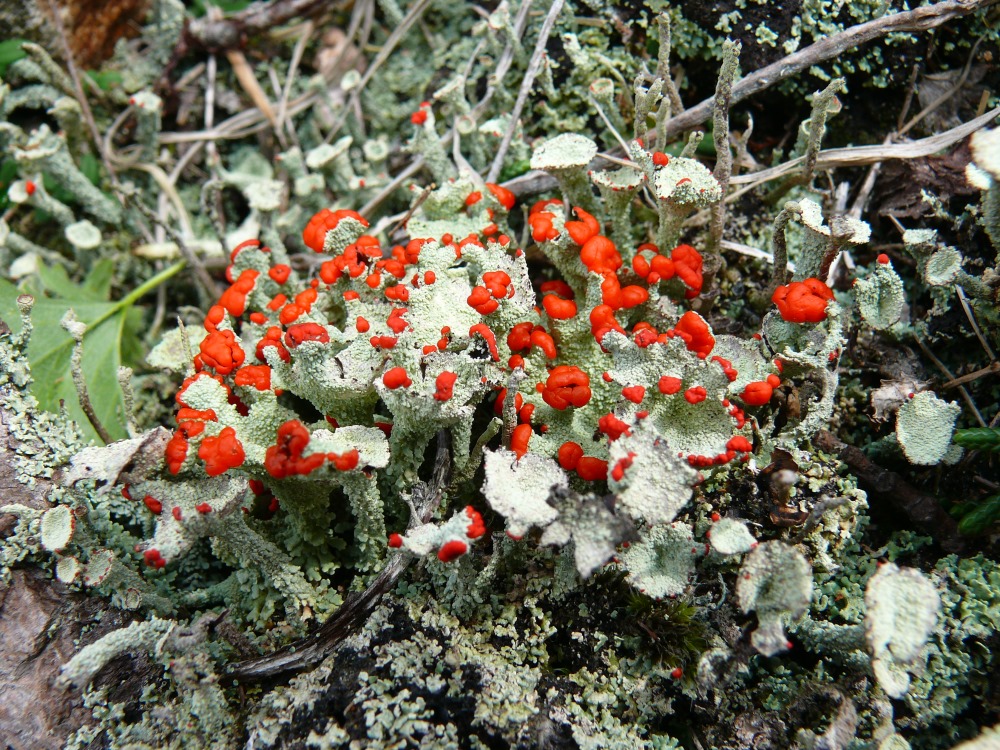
757	393
396	377
29	187
634	393
255	376
544	342
176	513
345	461
491	340
669	385
222	452
272	338
203	508
592	469
444	383
504	196
220	351
600	255
302	332
280	273
677	673
613	427
154	505
452	550
693	329
660	159
882	258
567	385
560	309
695	395
583	230
176	452
519	439
395	541
419	117
618	473
803	301
569	455
285	457
688	265
314	234
541	223
481	301
476	528
153	558
234	299
740	444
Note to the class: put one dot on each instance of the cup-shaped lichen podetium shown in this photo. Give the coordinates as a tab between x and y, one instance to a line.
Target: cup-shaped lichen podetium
681	186
617	188
566	157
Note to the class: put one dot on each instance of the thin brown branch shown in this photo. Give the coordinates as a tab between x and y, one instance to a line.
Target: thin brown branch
861	156
527	82
951	376
991	368
227	33
920	19
925	511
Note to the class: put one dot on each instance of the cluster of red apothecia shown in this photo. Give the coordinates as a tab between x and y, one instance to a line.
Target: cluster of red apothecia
391	274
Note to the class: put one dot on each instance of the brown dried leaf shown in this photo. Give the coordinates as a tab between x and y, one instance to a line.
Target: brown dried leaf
898	190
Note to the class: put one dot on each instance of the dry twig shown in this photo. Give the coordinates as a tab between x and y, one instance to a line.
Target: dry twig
522	95
919	19
925	511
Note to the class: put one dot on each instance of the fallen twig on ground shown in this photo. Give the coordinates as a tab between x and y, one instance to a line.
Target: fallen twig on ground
924	511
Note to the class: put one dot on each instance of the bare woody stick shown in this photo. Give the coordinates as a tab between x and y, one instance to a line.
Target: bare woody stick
522	95
723	156
919	19
76	329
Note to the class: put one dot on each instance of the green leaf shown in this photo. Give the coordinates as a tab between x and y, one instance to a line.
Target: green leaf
980	518
98	281
113	329
105	79
10	50
91	168
978	439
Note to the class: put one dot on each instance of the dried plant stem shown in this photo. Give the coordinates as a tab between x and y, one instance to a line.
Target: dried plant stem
293	67
77	330
510	405
919	19
663	66
993	367
860	156
967	308
723	156
128	396
411	17
218	32
530	74
923	510
951	376
779	248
